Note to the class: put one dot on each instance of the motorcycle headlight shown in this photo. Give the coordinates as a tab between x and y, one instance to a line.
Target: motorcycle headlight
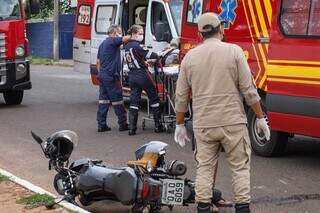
20	51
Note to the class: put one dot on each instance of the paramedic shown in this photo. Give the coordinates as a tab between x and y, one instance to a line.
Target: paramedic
110	89
140	79
218	75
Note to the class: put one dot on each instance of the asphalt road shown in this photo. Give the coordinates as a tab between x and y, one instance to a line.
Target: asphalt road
62	99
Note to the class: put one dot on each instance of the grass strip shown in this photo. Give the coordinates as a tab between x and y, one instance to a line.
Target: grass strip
3	178
40	61
36	200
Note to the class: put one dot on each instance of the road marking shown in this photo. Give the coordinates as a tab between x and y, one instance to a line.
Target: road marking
259	187
283	182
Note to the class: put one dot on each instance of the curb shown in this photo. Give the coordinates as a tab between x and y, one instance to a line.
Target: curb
37	189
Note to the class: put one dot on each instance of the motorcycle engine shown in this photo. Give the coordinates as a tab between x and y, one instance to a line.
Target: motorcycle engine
177	168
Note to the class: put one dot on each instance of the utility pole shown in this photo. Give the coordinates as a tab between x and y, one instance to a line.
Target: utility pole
56	30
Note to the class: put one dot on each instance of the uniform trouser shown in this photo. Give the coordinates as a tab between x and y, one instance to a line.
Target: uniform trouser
110	93
140	80
235	141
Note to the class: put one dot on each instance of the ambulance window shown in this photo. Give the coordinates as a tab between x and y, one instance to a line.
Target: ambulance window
140	15
314	24
300	17
294	16
106	16
159	23
84	15
195	8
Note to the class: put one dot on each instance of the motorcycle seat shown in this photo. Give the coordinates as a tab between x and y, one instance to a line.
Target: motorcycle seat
123	183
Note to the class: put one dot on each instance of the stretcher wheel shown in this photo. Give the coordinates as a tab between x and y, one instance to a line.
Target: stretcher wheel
143	124
168	128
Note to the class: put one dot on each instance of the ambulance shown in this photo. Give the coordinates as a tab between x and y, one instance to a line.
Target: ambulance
281	40
161	20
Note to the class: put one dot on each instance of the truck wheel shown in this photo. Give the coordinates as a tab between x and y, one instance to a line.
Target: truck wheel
274	147
13	97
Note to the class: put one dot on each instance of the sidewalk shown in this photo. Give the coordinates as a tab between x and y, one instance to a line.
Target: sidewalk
13	188
64	63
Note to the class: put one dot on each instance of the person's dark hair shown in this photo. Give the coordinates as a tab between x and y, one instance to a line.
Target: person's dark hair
212	31
134	29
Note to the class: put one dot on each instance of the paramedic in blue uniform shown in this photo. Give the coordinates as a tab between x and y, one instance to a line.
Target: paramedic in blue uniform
140	79
110	88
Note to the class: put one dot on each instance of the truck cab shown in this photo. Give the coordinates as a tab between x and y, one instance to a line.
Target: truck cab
14	68
161	20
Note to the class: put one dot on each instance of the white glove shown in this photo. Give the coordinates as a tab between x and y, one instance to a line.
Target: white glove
262	126
180	135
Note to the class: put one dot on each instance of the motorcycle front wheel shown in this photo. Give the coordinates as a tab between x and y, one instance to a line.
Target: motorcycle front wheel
60	183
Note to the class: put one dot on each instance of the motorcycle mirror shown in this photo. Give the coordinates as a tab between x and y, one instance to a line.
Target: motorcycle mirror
36	138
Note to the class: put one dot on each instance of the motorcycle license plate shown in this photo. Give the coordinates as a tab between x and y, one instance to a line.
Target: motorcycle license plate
172	192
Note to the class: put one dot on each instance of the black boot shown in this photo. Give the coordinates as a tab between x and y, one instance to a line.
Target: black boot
133	119
204	208
242	208
157	120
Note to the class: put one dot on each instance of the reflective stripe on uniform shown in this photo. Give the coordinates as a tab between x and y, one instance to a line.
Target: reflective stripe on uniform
134	59
104	101
134	107
148	54
117	103
155	105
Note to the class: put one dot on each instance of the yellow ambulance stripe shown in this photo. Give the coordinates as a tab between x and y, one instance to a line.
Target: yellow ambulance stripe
245	12
295	62
256	54
261	19
262	22
294	81
294	71
254	20
253	46
267	5
255	24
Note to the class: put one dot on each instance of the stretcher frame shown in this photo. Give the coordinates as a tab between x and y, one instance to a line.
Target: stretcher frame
167	96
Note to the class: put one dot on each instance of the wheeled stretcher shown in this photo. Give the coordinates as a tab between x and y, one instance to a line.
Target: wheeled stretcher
165	79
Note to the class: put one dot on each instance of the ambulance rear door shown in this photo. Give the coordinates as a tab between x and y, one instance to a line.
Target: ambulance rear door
82	35
106	13
160	25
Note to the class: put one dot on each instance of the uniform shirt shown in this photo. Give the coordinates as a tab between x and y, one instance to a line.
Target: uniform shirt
109	56
219	77
136	56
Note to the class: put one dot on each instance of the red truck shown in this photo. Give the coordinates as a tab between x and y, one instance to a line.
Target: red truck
14	67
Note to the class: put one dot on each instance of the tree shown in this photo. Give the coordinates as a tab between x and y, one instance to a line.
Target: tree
46	8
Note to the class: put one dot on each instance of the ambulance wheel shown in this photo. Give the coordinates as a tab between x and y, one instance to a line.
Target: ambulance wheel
13	97
274	147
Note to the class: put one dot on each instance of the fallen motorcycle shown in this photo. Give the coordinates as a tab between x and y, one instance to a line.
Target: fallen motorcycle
147	183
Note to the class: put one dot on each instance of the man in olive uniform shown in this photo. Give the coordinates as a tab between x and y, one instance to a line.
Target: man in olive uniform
219	77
